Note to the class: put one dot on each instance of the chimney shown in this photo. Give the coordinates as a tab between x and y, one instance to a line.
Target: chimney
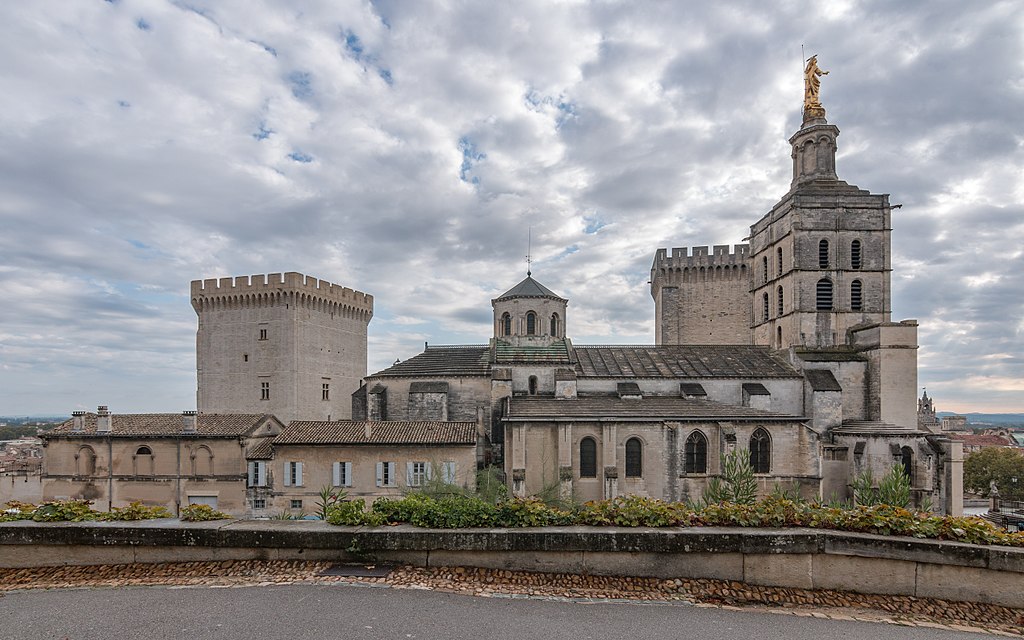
103	419
78	421
188	422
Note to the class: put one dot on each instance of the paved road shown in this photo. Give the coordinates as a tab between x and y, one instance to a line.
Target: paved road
297	612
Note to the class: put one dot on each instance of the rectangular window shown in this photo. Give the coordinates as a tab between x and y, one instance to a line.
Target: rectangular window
245	357
293	474
385	474
259	503
325	392
263	333
415	474
264	391
342	475
296	504
257	473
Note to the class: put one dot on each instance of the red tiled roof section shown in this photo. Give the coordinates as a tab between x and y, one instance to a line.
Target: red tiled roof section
980	440
226	425
349	432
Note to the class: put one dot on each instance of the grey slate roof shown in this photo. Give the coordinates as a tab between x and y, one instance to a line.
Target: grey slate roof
556	352
700	361
469	360
539	408
822	380
529	288
125	425
370	433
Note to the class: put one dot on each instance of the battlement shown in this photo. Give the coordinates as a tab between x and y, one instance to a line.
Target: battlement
682	257
285	288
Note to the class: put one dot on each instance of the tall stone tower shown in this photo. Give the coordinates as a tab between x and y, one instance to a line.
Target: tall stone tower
288	345
820	259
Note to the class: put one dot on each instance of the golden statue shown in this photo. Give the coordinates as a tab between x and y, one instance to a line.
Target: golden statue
812	88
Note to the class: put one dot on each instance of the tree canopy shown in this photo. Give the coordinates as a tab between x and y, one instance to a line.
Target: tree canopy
999	464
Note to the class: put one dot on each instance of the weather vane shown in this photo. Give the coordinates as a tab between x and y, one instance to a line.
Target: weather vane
529	251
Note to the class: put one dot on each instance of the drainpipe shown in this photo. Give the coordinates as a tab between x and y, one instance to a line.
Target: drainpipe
177	481
110	473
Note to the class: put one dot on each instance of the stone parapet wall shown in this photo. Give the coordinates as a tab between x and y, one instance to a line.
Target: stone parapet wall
796	558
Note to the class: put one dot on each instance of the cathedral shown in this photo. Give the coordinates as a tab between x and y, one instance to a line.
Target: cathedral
784	348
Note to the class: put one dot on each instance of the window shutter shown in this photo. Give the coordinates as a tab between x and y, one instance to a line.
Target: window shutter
380	474
261	474
408	474
348	474
336	481
392	470
252	474
298	474
287	474
448	472
430	470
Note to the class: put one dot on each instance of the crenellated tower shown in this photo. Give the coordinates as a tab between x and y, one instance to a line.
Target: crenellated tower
701	297
284	344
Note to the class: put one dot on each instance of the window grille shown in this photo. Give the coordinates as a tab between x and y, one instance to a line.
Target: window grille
855	259
823	254
856	296
781	300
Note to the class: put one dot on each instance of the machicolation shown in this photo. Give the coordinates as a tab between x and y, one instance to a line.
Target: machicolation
291	288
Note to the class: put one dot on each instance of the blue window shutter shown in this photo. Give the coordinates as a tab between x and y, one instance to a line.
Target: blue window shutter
298	474
261	469
448	472
336	474
408	474
380	474
252	474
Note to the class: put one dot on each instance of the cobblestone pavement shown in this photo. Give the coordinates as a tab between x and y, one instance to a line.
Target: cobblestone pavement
834	605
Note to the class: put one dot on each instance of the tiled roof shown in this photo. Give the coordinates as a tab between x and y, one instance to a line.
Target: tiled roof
470	360
557	352
702	361
650	407
351	432
829	354
692	389
529	288
163	424
822	380
262	451
976	440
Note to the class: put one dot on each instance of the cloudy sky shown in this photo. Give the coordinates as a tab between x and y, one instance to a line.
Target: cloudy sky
404	149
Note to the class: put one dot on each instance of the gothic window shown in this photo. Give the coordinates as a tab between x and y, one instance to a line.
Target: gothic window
855	260
760	451
554	324
823	254
778	260
696	454
533	385
588	458
907	461
85	462
506	324
531	323
824	297
856	296
781	300
634	458
764	307
764	269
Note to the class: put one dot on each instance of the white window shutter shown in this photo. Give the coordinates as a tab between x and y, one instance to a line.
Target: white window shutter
348	474
336	475
408	474
298	474
261	473
287	474
392	470
380	474
252	474
448	472
430	470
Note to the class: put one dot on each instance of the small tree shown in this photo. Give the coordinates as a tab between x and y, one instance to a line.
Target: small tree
737	483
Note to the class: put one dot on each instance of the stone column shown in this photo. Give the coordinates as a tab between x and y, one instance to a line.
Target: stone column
609	450
565	461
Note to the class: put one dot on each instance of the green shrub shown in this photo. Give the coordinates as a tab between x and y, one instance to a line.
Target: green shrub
635	511
455	512
16	510
201	513
64	511
135	511
864	488
737	484
894	488
530	512
329	497
401	509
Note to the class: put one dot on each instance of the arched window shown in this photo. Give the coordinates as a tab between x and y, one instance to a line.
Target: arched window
531	323
855	254
533	385
823	254
824	299
856	297
554	324
588	458
907	460
764	269
780	297
634	458
143	460
764	307
85	462
202	461
778	261
506	324
696	453
760	451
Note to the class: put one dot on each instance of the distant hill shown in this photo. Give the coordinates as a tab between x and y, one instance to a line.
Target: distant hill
988	418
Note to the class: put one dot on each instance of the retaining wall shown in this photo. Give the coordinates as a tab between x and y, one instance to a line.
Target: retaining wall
802	558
